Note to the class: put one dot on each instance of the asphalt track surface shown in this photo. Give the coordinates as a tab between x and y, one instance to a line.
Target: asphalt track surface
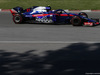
15	37
44	49
46	32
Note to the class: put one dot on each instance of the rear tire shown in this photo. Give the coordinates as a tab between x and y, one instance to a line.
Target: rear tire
76	21
17	19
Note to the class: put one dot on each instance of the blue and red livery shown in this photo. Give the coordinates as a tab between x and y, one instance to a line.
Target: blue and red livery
39	14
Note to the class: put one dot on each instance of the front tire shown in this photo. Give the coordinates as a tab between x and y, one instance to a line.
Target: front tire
76	21
17	19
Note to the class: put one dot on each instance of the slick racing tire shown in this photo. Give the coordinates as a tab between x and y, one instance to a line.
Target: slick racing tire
76	21
83	14
17	19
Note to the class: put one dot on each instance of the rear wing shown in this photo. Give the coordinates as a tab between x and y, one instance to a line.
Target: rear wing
16	10
13	12
19	10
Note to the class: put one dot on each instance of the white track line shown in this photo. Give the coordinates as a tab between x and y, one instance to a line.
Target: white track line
50	42
85	10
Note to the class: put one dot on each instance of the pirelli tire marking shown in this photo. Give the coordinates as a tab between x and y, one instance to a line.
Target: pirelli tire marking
44	20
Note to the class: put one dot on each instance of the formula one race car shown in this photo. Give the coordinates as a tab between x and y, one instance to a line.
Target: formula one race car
40	14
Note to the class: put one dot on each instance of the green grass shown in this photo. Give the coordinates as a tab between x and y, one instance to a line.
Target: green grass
55	4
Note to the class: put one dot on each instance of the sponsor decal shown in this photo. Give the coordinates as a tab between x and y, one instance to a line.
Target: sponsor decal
37	15
71	15
64	15
28	10
28	15
97	22
88	23
44	19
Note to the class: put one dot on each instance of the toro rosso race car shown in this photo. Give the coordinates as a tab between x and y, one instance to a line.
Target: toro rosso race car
40	14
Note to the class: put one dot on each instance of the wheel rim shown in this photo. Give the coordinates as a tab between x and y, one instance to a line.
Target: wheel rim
17	19
76	21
